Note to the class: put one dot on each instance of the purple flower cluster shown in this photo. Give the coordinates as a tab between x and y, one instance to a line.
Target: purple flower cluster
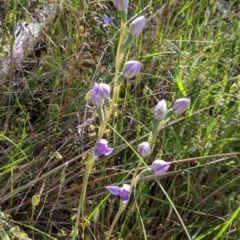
131	68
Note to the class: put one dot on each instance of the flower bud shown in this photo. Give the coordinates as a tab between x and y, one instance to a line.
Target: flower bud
131	68
137	26
159	167
160	110
181	105
121	4
100	92
144	149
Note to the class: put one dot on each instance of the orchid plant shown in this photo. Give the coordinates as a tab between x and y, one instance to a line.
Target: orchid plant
100	98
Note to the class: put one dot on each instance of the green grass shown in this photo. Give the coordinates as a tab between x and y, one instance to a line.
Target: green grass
188	48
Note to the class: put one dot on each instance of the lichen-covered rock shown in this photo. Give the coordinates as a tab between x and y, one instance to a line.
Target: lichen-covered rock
26	36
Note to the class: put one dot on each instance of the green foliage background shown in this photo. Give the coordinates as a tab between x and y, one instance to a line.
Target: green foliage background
188	48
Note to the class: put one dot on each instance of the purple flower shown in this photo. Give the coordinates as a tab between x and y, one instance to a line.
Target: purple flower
104	90
100	92
124	191
144	149
137	26
102	148
106	20
160	110
121	4
181	105
131	68
159	167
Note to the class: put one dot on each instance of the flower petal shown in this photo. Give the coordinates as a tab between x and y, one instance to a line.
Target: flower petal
108	150
102	148
124	193
113	189
121	4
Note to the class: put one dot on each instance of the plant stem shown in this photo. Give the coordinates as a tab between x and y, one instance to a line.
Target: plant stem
124	205
119	213
118	63
103	124
80	209
133	182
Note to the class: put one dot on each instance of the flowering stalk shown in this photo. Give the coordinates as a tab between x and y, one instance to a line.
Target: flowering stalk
144	149
116	89
100	95
102	149
124	204
103	122
161	117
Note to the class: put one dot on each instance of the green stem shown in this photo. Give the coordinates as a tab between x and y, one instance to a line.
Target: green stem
116	89
119	213
124	16
127	43
134	181
100	115
169	113
155	131
80	209
120	79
